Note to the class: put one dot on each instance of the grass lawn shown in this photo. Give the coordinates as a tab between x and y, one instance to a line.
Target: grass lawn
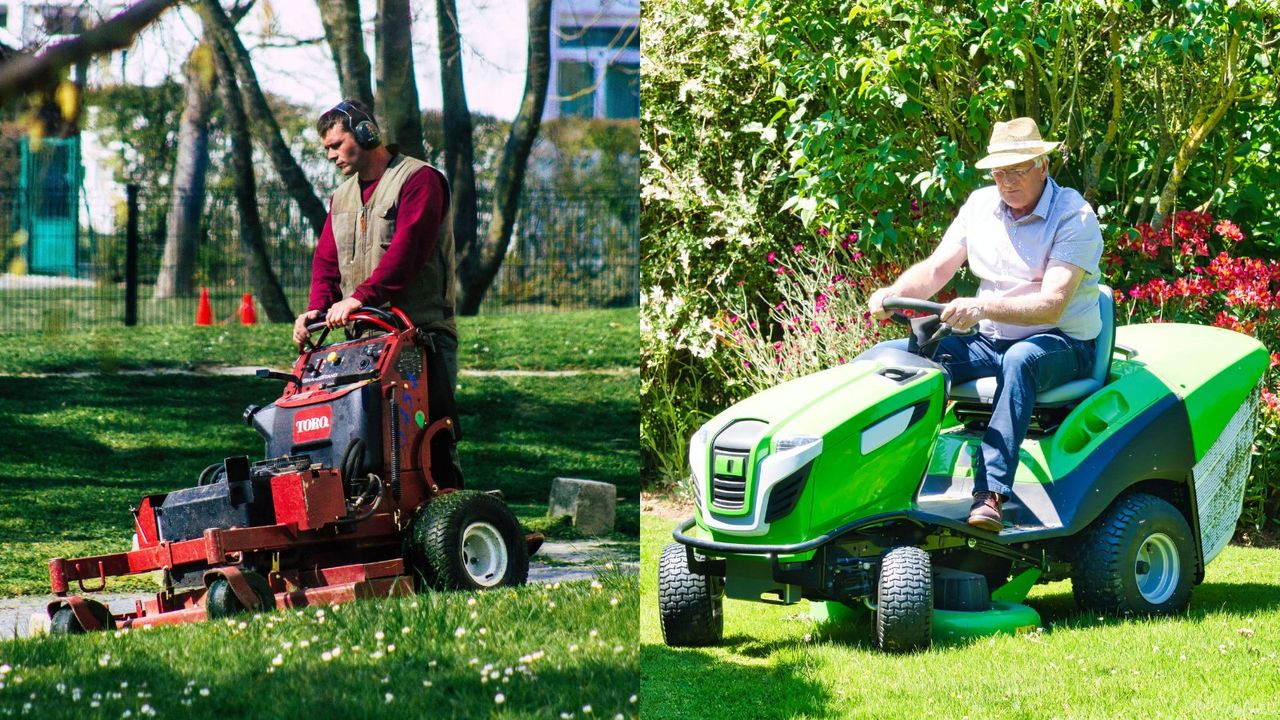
533	652
586	339
1220	660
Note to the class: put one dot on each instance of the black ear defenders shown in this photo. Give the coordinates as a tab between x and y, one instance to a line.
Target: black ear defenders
365	131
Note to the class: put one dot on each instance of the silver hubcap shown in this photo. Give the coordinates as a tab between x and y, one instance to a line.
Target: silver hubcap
1157	568
484	555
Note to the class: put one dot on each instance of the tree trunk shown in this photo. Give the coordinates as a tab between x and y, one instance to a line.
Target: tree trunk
397	100
261	277
458	148
264	121
341	19
474	279
1093	172
1206	121
178	262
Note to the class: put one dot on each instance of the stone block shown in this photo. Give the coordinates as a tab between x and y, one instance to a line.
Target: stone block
591	504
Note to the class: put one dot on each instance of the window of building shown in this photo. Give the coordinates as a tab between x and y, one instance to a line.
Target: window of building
617	38
4	15
62	20
622	97
575	86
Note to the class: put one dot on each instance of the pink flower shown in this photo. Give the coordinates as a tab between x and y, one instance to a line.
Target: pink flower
772	256
797	248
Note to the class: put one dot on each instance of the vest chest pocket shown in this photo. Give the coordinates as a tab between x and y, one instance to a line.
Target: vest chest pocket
382	224
344	235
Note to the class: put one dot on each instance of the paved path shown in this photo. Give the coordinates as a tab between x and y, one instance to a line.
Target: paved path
556	561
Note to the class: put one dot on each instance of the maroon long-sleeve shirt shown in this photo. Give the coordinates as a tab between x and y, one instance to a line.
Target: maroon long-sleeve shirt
421	205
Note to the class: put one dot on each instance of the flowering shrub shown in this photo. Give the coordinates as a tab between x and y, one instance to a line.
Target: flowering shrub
1185	271
813	317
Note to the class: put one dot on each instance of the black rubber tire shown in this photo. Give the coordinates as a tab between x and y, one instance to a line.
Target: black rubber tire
434	544
690	605
1104	578
220	602
904	600
64	620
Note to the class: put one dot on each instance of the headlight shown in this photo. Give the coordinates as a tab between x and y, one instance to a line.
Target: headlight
794	442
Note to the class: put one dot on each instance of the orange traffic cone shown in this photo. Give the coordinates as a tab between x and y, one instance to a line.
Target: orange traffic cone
204	312
248	316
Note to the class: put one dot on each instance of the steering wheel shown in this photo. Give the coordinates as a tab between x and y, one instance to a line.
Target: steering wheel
928	306
393	322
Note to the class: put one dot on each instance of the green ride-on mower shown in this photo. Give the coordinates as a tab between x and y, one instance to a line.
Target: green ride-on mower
851	488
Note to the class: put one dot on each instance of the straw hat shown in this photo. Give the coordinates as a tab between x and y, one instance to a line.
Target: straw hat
1014	142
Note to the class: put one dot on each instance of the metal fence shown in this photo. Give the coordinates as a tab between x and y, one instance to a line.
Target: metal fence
69	268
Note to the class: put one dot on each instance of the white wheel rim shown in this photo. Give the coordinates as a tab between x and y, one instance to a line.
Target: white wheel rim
1157	568
484	555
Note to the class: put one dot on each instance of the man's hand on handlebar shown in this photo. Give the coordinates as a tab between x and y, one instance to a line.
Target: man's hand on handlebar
300	333
340	311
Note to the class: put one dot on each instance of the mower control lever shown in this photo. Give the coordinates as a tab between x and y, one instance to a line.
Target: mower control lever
277	375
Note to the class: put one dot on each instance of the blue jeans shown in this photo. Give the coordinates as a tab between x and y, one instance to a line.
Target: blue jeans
1023	368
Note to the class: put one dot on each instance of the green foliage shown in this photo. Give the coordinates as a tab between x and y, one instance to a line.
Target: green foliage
772	120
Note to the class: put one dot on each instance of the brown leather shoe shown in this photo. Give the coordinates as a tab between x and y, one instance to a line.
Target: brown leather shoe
985	513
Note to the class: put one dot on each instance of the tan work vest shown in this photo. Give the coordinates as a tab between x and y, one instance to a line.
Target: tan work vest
363	233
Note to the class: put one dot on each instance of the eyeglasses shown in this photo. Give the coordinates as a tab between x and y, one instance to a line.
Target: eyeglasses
1013	175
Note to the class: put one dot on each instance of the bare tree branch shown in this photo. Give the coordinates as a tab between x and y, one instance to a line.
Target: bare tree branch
25	73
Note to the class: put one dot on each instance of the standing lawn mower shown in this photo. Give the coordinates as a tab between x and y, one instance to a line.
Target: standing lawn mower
358	497
851	488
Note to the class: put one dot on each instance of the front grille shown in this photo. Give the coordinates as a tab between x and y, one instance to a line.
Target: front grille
787	493
731	451
728	493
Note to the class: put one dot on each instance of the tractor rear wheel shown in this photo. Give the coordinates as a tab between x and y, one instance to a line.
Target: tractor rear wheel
1138	558
904	600
691	605
467	540
221	601
65	622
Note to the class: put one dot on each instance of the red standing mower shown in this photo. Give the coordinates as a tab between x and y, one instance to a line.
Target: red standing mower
358	497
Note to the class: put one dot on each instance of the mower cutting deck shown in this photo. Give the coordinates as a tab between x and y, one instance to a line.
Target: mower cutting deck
358	497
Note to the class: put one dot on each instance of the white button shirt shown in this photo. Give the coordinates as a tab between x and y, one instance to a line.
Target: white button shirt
1010	256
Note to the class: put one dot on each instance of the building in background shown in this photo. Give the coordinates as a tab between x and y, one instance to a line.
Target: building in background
595	59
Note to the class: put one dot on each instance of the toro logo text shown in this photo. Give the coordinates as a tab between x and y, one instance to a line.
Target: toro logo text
312	424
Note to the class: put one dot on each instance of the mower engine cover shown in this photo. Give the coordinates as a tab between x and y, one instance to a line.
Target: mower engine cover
327	425
858	436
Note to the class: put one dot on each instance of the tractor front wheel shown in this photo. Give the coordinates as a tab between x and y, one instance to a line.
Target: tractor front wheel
691	605
904	600
1138	558
467	540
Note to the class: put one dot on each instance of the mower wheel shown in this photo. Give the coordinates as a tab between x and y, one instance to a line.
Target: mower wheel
691	605
64	621
221	601
1138	558
467	540
904	600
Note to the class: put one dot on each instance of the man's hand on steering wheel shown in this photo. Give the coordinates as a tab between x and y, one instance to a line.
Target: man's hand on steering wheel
340	311
963	313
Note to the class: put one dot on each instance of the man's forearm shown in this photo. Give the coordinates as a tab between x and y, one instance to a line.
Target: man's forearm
1034	309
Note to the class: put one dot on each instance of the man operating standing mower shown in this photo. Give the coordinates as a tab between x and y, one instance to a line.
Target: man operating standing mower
1035	247
388	238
